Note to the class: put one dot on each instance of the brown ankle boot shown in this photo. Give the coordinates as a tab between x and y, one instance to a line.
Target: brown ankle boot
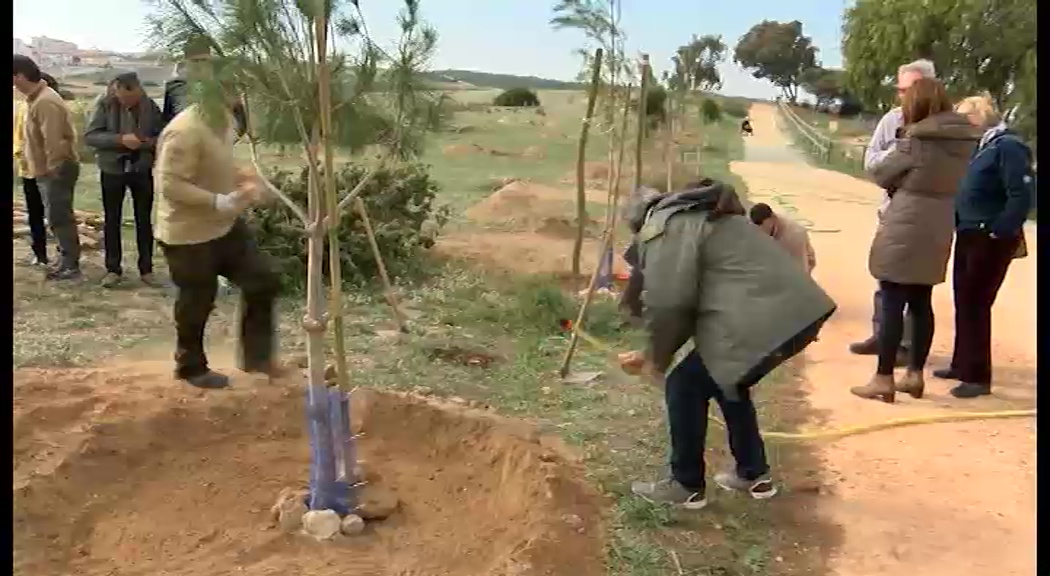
879	388
912	384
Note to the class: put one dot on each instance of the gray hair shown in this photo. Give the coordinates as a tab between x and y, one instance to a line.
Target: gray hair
923	67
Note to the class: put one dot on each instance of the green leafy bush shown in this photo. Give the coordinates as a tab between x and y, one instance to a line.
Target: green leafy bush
736	107
710	111
656	103
401	209
517	97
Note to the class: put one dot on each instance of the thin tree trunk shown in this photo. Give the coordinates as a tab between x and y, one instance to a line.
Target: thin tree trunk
669	159
640	136
581	159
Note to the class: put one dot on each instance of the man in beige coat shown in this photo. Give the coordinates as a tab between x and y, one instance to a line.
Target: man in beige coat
791	236
50	154
200	197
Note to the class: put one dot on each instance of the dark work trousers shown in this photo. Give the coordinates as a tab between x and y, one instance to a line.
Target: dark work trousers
688	392
195	271
114	189
980	267
919	300
56	190
876	321
35	215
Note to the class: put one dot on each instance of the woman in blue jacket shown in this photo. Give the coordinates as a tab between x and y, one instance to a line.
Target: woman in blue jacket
990	210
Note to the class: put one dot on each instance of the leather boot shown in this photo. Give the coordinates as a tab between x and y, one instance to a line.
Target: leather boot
879	388
912	384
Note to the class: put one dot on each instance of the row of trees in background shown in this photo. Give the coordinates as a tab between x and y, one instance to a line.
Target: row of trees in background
977	45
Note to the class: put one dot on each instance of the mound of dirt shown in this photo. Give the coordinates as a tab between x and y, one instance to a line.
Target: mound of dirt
122	471
597	173
527	252
522	205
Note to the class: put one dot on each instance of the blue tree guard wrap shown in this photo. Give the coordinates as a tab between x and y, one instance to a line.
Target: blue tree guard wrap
349	452
341	501
323	490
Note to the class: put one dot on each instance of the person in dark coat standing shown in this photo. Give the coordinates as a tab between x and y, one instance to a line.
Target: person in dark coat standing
993	202
197	53
123	131
909	255
723	307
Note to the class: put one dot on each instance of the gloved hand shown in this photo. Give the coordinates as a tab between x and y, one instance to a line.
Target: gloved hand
233	203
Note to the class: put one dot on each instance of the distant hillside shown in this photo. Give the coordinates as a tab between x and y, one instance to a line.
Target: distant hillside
501	81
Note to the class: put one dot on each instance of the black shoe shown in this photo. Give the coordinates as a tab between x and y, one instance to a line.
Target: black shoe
210	380
63	274
971	390
869	347
946	374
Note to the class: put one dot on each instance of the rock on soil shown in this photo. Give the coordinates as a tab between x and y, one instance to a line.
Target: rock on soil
289	510
377	502
322	524
352	525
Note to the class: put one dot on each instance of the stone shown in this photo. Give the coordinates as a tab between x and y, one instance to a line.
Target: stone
289	510
299	360
352	525
88	243
582	378
376	502
388	335
321	524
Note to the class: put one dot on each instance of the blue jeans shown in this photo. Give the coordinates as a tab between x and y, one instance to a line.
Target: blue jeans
688	392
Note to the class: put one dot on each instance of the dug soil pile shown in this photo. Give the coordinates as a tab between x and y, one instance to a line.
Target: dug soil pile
122	471
526	206
531	230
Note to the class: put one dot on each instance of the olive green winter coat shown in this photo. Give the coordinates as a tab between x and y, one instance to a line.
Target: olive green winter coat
723	284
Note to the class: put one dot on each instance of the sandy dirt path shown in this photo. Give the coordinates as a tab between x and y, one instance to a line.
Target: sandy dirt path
937	500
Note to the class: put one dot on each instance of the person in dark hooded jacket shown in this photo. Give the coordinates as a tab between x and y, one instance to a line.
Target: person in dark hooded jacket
990	210
723	307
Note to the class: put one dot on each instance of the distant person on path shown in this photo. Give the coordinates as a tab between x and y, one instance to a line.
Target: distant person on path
909	254
123	130
723	308
745	127
50	152
883	141
201	196
30	187
791	235
990	211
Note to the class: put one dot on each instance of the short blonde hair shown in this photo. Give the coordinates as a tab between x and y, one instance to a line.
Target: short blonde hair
980	109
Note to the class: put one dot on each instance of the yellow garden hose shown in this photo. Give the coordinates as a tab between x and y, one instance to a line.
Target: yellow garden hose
837	433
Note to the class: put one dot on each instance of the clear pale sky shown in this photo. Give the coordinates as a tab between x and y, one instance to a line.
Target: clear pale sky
502	36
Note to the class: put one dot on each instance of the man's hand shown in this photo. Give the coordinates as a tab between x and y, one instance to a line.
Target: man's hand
130	141
632	362
233	203
249	183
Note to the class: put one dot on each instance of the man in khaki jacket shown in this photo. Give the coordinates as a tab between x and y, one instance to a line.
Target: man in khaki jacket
788	233
50	154
201	195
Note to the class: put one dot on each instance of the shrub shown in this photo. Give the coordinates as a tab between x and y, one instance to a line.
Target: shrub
401	209
736	107
710	111
655	103
80	111
517	97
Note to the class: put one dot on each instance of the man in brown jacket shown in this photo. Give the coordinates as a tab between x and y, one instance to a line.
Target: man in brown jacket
50	154
200	197
789	234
